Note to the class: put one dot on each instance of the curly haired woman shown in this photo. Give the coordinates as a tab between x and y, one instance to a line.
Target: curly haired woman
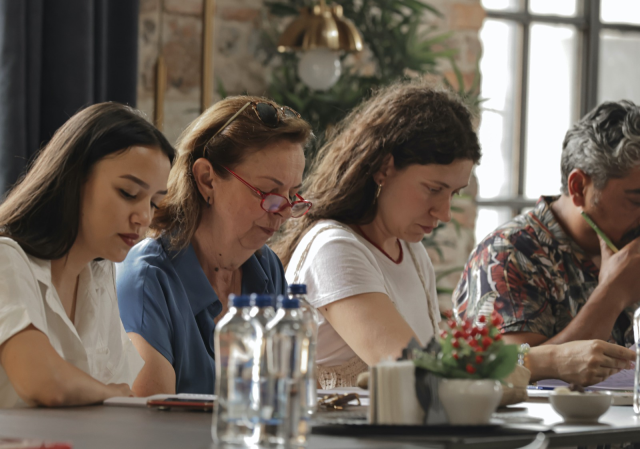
383	180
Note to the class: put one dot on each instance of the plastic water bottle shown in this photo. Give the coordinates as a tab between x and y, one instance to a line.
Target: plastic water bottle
286	336
636	380
308	389
238	341
262	310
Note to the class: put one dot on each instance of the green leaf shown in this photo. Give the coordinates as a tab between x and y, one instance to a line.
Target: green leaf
439	251
221	89
504	363
456	224
399	34
430	363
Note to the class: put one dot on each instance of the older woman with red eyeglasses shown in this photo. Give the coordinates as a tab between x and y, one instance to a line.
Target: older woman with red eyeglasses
235	182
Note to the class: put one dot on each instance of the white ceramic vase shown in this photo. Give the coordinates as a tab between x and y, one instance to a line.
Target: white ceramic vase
469	401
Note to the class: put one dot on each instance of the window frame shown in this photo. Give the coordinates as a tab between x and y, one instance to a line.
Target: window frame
588	24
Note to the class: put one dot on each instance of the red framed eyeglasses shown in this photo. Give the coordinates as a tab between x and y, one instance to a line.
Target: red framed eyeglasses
274	203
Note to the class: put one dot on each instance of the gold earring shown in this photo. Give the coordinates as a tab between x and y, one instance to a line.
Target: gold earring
379	189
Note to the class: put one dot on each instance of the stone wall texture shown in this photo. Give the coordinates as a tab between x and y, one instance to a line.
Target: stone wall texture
175	28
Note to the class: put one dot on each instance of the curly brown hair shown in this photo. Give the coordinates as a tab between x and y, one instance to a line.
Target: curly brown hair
180	211
413	121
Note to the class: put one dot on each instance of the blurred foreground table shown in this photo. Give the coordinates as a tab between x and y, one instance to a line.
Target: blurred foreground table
102	427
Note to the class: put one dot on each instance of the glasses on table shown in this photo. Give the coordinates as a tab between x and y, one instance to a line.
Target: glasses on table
339	401
267	113
274	203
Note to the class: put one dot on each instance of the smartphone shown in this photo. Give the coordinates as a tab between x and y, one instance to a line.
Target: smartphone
203	405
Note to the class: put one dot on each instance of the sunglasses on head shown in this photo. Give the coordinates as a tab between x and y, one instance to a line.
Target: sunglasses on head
268	114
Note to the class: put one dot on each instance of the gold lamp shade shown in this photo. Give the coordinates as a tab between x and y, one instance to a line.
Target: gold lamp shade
321	27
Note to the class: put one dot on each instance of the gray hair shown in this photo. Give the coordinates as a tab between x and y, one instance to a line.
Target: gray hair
604	144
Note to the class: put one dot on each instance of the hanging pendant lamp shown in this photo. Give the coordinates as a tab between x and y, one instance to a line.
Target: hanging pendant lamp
320	33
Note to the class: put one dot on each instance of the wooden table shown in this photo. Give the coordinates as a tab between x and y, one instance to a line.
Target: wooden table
120	427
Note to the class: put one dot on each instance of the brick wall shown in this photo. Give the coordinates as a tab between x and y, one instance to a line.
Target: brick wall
236	59
238	65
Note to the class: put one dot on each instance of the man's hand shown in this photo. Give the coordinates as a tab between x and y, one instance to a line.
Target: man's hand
620	271
591	361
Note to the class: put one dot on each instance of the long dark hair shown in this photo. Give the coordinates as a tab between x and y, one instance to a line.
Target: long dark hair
42	211
412	121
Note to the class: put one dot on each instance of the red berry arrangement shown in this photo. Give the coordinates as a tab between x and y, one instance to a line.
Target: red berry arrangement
469	351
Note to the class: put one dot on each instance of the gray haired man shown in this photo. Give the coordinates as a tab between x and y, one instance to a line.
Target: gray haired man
546	277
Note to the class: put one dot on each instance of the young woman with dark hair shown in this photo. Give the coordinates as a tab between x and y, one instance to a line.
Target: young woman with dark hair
85	201
383	180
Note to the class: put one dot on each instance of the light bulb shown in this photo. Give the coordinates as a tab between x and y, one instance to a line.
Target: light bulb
319	68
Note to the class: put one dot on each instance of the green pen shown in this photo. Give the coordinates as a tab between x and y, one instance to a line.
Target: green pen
602	235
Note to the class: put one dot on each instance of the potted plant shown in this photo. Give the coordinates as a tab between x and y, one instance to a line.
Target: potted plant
470	361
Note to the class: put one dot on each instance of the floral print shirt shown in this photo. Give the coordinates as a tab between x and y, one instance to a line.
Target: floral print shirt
532	276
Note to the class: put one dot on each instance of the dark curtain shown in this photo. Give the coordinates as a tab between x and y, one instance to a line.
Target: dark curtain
56	57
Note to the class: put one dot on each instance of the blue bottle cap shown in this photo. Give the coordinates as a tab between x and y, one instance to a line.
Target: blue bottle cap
298	289
239	301
261	300
288	303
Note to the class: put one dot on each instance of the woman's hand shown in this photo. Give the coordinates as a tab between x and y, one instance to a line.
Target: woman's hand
584	362
40	376
121	390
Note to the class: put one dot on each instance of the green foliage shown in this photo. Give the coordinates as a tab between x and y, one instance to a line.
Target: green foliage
430	241
471	95
400	39
470	352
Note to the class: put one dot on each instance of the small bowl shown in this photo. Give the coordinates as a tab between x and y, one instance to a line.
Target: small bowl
582	407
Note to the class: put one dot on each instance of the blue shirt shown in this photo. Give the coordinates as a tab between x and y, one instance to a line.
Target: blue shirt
165	297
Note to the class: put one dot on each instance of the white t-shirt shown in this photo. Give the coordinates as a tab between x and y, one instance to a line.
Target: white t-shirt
341	263
97	343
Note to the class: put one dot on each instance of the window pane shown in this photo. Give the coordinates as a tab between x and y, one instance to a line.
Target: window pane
498	125
502	5
566	8
489	218
551	104
619	71
620	11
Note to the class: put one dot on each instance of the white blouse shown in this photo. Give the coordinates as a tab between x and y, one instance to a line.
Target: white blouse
97	343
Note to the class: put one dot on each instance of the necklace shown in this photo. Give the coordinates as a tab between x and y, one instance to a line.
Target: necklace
400	257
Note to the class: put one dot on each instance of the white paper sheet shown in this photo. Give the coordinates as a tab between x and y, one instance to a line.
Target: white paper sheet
344	390
142	402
